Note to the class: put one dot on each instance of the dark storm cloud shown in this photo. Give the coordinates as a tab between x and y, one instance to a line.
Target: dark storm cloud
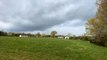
31	15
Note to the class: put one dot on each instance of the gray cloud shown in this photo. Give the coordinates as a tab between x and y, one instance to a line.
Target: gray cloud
31	15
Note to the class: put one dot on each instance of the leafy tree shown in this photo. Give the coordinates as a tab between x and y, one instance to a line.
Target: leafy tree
38	35
53	33
97	27
92	27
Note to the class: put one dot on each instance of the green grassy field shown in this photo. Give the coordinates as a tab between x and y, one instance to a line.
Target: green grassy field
14	48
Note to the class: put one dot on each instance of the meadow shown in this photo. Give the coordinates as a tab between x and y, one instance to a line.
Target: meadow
15	48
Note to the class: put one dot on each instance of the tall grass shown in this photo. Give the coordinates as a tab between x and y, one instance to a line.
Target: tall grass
15	48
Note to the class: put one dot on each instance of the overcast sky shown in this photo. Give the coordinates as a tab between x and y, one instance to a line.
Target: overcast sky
64	16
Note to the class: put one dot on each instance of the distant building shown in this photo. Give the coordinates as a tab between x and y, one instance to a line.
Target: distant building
60	37
67	37
9	34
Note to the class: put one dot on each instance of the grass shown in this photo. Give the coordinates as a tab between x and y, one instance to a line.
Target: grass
15	48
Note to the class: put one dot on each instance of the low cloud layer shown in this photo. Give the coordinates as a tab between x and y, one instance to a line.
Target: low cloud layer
39	15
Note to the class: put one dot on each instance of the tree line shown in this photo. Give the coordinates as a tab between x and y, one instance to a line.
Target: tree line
2	33
38	35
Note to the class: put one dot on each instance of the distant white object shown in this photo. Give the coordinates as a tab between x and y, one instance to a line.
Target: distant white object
60	37
23	36
20	35
66	37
